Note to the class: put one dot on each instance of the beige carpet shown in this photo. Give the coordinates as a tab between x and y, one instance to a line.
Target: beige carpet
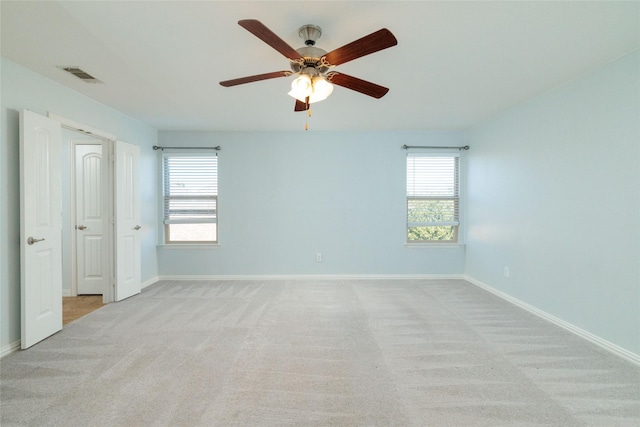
316	353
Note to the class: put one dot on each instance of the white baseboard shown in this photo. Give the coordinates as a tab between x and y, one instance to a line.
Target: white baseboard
600	342
312	277
149	282
65	293
8	349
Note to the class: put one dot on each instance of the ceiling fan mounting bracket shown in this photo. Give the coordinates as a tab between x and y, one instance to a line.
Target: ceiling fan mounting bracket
309	34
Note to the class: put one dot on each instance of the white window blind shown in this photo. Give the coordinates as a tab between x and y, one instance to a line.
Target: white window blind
433	197
190	184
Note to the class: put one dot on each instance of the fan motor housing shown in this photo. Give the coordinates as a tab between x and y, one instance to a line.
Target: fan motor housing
311	58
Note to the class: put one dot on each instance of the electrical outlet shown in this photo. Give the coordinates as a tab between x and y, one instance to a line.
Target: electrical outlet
506	272
318	257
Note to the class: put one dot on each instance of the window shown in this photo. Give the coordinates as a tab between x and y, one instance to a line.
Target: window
190	189
433	197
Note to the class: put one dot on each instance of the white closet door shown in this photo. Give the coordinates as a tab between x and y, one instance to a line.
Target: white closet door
92	246
127	198
40	228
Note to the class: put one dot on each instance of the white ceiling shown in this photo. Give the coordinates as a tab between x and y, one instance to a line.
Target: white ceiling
456	63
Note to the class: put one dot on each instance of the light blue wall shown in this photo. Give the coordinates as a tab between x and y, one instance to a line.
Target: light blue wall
283	197
23	89
554	194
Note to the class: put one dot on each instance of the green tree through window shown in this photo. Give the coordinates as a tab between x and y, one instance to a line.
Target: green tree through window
432	197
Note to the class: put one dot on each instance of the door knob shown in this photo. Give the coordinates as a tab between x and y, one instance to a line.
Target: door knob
81	227
31	240
137	227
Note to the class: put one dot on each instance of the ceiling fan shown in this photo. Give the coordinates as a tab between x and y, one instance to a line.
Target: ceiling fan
314	65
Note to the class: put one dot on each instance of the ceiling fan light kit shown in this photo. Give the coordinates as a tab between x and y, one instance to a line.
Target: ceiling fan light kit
301	88
310	87
312	65
321	89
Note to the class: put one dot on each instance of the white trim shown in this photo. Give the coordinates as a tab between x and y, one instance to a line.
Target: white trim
67	293
80	127
8	349
173	246
434	245
313	277
107	143
149	282
107	291
72	218
594	339
109	152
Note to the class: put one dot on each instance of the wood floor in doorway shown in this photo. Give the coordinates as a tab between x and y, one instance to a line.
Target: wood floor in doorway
75	307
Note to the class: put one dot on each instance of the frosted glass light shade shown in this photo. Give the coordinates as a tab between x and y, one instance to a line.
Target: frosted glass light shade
316	88
321	90
301	88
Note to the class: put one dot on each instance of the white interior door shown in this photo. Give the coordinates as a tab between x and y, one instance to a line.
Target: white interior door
91	229
40	228
127	200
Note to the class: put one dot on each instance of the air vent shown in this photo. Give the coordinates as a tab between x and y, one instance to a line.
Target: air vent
81	74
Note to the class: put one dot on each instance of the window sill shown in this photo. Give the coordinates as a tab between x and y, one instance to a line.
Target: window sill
434	245
179	246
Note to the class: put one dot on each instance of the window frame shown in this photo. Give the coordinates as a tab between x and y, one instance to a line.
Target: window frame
166	237
456	197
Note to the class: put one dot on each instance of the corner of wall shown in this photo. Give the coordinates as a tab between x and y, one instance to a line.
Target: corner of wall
594	339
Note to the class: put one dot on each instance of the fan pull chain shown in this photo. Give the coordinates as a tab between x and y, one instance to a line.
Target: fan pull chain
306	120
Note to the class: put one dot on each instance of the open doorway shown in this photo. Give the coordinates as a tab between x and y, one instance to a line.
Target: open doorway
48	212
74	308
87	232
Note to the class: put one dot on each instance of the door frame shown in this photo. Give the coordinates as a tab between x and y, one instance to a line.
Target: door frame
108	147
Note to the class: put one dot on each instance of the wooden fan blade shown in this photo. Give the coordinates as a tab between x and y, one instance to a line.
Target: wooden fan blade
301	106
259	30
256	78
357	84
366	45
